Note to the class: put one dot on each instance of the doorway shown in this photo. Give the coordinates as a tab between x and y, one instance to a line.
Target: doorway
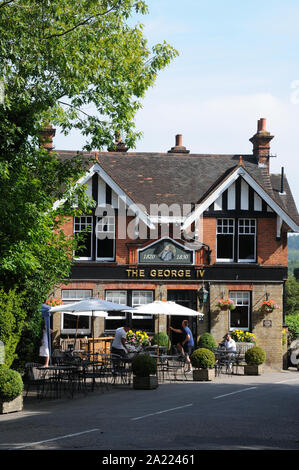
186	298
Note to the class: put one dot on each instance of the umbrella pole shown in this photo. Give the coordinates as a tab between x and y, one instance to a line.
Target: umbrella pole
93	367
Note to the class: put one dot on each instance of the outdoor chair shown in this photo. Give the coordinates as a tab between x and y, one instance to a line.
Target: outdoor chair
33	377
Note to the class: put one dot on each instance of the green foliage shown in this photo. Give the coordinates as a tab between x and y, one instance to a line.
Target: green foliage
292	296
255	356
11	384
144	365
202	358
57	57
207	341
162	339
292	321
12	319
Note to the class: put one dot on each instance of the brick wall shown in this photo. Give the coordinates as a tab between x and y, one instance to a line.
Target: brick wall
269	250
268	334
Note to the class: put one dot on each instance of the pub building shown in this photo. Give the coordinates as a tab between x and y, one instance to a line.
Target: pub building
191	228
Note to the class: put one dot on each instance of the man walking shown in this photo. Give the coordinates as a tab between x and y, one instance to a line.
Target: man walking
186	345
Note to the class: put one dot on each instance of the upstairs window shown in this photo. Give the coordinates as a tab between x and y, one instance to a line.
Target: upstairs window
105	234
225	239
246	240
83	229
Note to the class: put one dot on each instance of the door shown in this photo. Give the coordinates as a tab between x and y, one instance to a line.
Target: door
186	298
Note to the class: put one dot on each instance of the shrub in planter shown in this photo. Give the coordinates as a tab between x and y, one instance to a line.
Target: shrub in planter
162	339
207	341
254	359
144	367
203	361
11	388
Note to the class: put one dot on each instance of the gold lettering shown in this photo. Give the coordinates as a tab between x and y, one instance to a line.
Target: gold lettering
141	273
188	273
173	273
153	273
167	272
160	273
181	273
129	272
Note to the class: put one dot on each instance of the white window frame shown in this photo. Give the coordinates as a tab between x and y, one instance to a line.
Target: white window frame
240	260
116	315
241	298
75	296
225	260
136	304
84	258
110	223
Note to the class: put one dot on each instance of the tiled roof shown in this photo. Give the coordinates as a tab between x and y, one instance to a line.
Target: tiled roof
156	178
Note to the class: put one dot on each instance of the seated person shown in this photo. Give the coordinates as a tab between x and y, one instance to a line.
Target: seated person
229	343
119	345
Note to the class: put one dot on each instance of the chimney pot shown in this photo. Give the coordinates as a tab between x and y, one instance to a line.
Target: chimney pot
178	148
261	125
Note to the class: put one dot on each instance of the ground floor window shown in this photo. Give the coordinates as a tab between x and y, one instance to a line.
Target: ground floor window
132	298
73	324
240	317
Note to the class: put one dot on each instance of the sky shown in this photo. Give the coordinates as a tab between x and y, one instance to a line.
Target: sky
238	62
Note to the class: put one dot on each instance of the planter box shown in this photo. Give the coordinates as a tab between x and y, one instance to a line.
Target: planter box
11	406
145	383
253	370
203	375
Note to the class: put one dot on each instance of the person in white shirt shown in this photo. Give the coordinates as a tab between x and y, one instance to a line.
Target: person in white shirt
229	343
119	345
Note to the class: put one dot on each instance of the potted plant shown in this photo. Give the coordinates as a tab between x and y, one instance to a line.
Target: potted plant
226	304
268	306
254	358
144	369
161	339
203	361
11	388
207	341
244	340
138	338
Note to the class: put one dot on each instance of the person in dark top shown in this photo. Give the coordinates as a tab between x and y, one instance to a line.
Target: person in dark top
186	343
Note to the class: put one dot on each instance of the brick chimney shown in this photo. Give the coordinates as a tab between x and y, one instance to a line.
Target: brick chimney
46	137
120	146
261	144
178	148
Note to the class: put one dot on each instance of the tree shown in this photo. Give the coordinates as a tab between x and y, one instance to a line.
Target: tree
56	58
292	296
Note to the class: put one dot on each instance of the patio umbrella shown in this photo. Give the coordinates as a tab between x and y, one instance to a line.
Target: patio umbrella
164	307
93	307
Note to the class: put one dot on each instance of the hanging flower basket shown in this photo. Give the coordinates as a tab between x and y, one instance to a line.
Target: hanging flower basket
54	302
268	306
226	304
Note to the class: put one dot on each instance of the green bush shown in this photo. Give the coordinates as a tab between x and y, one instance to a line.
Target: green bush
207	341
255	356
292	322
144	365
162	339
11	384
12	320
202	358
